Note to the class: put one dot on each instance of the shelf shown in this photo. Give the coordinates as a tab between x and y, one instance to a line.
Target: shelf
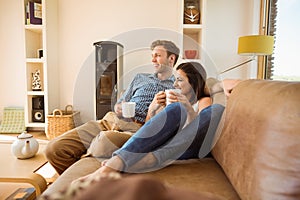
35	93
36	124
192	60
193	34
41	64
192	26
34	60
34	28
33	42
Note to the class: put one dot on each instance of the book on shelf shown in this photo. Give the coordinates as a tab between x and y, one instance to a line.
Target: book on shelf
33	13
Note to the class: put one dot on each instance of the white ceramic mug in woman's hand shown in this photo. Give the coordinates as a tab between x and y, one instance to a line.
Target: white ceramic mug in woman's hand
168	94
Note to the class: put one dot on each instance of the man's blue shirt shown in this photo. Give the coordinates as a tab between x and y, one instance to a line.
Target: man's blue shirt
142	90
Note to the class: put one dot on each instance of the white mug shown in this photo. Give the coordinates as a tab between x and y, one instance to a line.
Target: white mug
167	94
128	109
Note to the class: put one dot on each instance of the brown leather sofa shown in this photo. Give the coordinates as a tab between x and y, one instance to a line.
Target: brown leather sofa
256	155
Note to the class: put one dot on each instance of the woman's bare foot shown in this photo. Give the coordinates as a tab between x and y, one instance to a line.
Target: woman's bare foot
95	175
105	169
114	164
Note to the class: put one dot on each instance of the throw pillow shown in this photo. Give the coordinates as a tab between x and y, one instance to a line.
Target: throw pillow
106	142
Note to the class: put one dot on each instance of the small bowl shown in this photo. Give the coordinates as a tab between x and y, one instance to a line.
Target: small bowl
190	54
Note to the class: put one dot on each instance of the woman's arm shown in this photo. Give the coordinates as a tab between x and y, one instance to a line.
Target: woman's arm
191	112
158	103
202	103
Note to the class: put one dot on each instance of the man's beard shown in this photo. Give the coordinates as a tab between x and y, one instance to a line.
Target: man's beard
164	68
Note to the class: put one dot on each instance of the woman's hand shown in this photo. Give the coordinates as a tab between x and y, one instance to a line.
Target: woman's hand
178	97
159	99
157	104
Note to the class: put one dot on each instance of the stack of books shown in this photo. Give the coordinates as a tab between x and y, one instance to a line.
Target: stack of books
33	13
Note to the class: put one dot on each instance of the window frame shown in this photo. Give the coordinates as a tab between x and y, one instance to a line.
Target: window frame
267	26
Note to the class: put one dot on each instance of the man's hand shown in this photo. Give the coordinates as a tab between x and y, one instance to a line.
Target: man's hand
118	109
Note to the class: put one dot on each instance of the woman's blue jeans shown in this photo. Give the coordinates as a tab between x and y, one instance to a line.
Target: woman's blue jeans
165	136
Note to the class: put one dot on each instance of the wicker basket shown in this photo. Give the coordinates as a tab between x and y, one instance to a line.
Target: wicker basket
60	121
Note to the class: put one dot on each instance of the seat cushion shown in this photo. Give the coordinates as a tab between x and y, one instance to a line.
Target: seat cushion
203	176
137	187
80	168
198	175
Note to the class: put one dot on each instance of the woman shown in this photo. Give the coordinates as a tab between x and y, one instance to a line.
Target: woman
176	131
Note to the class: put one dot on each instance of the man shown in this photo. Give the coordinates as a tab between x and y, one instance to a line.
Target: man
66	149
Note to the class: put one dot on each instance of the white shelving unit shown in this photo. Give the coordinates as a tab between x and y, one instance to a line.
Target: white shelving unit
41	37
193	33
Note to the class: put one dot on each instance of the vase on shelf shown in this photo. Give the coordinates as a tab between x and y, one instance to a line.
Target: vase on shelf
36	81
191	13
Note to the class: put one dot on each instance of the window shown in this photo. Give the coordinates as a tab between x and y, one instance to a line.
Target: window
281	21
287	41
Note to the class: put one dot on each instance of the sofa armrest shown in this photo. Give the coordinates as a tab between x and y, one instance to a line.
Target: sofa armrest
259	145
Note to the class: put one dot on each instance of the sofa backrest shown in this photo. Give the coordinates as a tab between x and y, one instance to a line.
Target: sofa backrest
259	145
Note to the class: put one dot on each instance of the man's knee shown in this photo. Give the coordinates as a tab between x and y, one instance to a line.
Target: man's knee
51	149
70	139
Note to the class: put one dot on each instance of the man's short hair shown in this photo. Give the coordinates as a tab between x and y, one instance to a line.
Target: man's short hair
169	46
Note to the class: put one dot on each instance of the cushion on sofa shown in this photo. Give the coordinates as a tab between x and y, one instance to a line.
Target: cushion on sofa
259	146
113	187
215	89
203	175
199	175
106	142
139	187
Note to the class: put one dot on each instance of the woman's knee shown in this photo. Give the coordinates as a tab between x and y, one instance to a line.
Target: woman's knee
217	108
177	109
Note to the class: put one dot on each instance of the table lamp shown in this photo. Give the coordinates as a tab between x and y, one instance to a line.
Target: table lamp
253	45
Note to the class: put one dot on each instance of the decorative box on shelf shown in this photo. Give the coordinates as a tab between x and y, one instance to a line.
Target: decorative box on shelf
191	12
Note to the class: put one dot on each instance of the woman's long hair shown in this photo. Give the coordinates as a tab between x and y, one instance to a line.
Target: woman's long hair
197	77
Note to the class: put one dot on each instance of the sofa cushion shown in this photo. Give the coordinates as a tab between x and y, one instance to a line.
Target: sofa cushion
259	146
139	187
106	142
201	176
113	187
80	168
215	89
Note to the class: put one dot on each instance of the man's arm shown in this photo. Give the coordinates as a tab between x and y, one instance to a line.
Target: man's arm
126	96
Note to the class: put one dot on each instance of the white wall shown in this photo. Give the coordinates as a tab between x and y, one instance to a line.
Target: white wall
81	23
12	69
226	22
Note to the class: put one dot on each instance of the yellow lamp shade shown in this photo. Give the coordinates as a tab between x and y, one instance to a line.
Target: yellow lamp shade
256	45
